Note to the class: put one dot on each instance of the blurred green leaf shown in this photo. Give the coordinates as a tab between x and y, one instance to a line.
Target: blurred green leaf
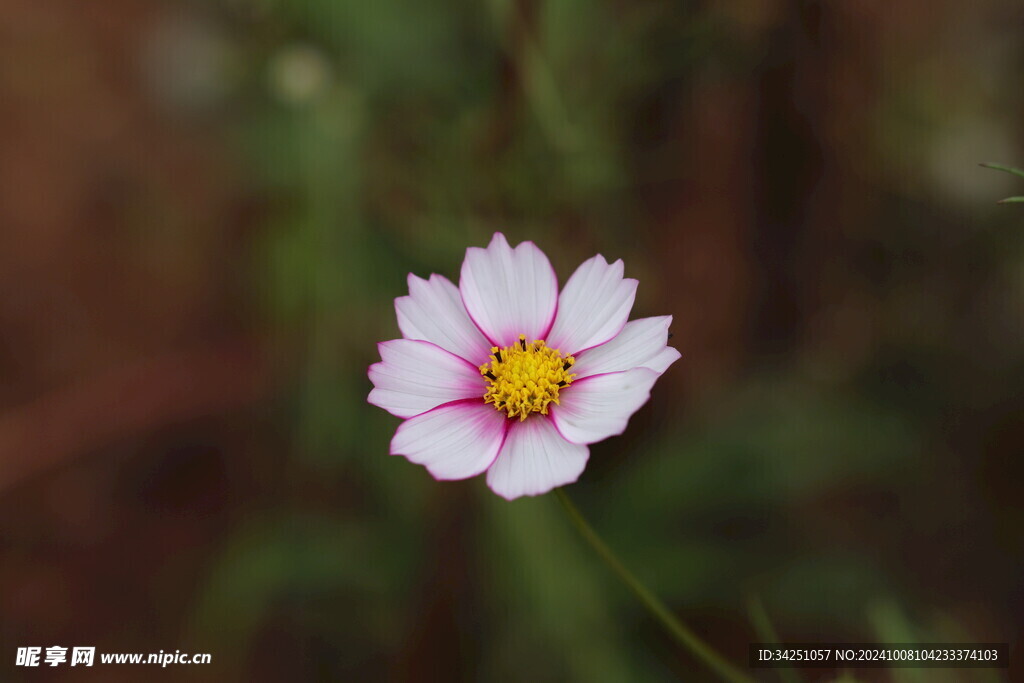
845	677
550	599
766	633
1007	169
298	558
891	626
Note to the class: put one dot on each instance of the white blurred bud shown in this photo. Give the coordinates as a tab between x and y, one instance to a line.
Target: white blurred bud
187	61
298	74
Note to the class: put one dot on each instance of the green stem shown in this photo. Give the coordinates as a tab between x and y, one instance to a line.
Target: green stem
687	638
766	633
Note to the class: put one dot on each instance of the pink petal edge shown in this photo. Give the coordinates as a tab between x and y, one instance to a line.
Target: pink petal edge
504	427
460	338
469	391
655	350
521	469
606	273
556	410
495	338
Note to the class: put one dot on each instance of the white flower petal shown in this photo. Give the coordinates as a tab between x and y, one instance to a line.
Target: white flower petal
509	291
641	344
600	406
434	312
453	441
415	376
593	306
535	459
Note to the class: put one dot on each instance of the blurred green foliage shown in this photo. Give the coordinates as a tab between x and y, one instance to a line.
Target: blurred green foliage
421	128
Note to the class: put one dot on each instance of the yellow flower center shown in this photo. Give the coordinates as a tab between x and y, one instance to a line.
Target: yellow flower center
525	378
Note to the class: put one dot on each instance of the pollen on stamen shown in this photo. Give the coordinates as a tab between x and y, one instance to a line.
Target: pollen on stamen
525	378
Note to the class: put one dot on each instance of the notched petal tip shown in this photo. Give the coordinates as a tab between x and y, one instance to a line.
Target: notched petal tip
594	305
412	279
640	344
507	291
433	311
372	368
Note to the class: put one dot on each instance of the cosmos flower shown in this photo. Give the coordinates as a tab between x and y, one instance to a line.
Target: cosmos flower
506	375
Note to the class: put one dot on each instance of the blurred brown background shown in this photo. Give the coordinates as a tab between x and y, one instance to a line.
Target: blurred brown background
206	209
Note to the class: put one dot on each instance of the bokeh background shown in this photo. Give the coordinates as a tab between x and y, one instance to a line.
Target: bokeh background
207	208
